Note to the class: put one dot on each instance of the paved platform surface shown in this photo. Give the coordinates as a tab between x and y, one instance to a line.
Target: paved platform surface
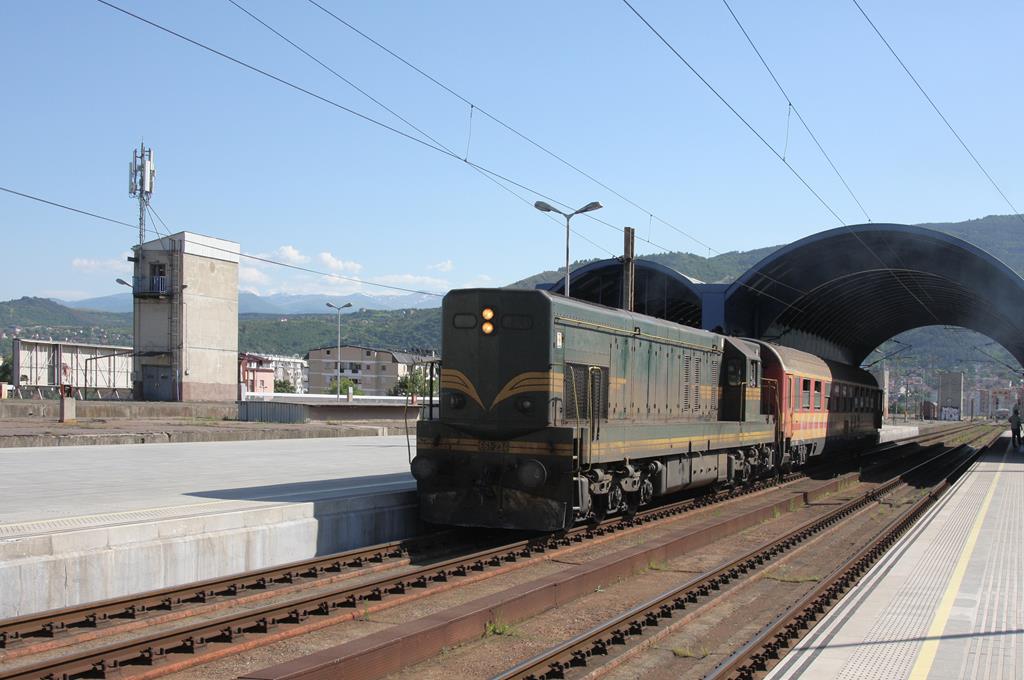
38	432
87	523
43	483
946	602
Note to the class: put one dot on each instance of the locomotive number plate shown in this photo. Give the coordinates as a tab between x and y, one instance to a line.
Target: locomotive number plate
493	447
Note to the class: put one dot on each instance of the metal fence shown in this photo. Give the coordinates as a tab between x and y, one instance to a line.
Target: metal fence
272	412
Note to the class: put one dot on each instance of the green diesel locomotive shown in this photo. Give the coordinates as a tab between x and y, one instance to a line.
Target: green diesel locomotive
554	410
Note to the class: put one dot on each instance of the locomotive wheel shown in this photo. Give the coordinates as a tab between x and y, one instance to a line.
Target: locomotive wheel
600	511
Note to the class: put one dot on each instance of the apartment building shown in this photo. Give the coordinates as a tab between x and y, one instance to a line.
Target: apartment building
375	371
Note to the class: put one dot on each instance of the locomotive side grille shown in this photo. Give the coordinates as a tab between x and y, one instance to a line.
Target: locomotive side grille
585	391
687	382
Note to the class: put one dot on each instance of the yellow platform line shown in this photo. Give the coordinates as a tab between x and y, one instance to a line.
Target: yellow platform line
926	656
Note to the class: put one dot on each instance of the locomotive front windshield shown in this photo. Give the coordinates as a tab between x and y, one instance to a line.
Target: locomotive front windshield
497	360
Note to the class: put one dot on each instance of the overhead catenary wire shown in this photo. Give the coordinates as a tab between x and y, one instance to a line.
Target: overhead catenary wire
405	120
508	126
346	109
793	108
427	144
257	258
775	152
939	112
736	113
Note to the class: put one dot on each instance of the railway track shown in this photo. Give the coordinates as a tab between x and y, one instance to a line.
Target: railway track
775	640
185	645
613	641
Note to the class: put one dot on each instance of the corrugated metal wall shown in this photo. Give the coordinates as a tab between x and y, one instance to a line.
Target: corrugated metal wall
272	412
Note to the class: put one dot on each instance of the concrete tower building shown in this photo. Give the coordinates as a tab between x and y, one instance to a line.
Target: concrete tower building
951	396
186	319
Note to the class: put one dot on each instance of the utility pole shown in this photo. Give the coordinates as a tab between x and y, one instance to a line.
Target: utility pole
141	178
628	268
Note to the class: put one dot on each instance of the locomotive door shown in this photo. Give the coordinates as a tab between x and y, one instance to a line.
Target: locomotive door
733	381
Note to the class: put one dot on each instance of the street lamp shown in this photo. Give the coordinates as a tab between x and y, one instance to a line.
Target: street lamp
123	282
547	207
337	358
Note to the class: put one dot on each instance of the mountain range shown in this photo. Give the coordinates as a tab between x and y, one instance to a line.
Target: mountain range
278	303
293	324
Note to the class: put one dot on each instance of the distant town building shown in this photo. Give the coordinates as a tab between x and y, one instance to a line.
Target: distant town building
39	367
375	371
1004	399
256	374
951	395
259	372
186	319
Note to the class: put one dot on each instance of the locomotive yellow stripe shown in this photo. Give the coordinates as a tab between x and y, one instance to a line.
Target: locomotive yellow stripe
531	381
639	445
457	380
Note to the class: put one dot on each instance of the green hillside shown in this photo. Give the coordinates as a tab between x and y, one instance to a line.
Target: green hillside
932	348
398	329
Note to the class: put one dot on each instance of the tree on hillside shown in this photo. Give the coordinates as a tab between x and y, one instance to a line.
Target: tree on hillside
284	387
6	366
345	384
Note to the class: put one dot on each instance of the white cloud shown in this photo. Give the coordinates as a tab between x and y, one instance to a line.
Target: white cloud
252	276
291	255
112	266
428	283
338	265
445	266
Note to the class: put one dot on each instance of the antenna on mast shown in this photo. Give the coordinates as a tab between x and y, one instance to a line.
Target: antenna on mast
141	178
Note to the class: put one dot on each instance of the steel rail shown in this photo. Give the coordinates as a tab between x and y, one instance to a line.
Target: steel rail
115	611
146	650
51	629
156	604
774	641
598	642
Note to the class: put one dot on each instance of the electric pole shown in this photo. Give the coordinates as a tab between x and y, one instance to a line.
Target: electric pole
141	177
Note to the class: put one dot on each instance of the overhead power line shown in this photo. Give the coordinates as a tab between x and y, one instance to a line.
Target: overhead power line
257	258
405	120
794	109
508	126
940	114
353	112
764	141
735	112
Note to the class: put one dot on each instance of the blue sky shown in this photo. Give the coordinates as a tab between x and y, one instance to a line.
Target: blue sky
243	158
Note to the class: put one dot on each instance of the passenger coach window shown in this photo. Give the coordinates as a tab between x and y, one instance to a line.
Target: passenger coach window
817	395
464	321
805	395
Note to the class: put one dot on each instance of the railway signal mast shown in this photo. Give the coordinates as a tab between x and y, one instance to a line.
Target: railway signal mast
141	178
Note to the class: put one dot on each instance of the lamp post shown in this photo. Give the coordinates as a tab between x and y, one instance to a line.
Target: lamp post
546	207
337	358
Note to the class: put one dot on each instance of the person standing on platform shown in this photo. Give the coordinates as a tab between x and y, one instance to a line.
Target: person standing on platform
1015	427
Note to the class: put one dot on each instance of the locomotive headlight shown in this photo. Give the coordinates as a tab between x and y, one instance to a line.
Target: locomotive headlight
487	314
487	327
531	473
456	400
525	404
423	468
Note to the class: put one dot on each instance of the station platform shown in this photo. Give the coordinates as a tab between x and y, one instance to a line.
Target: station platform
85	523
947	601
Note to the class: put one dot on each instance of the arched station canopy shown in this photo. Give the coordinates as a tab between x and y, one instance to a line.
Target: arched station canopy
843	292
658	290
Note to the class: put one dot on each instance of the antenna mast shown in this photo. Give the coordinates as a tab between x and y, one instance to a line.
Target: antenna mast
141	178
